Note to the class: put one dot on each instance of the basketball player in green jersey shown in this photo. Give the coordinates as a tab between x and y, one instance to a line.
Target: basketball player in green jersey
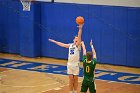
89	64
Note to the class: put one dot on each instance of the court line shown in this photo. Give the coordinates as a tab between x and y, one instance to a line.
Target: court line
29	86
12	69
58	88
9	69
33	86
52	89
2	73
116	82
22	86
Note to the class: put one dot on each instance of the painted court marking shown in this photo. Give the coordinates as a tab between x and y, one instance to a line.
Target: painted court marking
30	86
111	76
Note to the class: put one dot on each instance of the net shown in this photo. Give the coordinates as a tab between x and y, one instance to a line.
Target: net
26	4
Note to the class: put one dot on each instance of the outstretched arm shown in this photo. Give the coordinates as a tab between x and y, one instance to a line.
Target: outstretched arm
59	43
93	50
79	34
83	47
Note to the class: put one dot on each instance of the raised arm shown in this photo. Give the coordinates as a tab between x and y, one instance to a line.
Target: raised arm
83	47
79	34
93	50
59	43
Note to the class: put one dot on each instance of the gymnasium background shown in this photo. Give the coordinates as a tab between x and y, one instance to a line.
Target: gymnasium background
114	26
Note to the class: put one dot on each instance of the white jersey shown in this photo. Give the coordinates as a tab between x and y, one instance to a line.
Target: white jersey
74	55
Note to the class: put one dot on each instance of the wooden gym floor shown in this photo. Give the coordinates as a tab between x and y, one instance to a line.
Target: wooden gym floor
16	80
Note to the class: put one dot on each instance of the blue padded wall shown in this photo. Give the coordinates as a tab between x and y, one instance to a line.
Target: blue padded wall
2	24
108	26
30	34
120	35
13	30
106	34
20	32
114	29
94	29
9	26
133	43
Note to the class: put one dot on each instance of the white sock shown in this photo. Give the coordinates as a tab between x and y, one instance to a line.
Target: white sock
71	91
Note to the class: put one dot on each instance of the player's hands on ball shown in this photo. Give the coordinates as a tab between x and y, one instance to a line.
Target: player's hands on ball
80	26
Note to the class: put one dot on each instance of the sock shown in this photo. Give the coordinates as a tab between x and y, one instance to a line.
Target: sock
71	91
75	92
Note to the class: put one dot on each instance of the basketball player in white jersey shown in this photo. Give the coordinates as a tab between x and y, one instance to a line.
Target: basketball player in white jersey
73	59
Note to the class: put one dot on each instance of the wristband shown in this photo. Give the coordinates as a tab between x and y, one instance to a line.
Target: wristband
92	46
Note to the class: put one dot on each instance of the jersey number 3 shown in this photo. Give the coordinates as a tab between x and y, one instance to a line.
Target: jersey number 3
87	69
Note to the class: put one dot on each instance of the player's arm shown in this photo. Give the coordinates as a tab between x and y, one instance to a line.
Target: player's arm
59	43
83	47
84	51
94	55
79	35
93	50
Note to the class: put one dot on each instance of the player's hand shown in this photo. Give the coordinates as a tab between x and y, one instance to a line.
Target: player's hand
80	26
51	40
82	42
91	42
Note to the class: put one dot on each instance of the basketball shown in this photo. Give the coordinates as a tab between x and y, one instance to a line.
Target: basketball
79	20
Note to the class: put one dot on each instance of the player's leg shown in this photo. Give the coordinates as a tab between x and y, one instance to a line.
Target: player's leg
75	83
84	87
92	87
0	78
71	79
71	83
75	73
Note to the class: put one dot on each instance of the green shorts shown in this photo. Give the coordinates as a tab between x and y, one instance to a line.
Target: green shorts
88	84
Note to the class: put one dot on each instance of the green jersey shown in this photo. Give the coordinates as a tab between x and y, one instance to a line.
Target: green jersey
89	68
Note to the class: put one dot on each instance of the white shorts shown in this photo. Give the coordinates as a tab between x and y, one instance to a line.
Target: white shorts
73	70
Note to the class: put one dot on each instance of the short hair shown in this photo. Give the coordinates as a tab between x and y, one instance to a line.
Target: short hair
89	56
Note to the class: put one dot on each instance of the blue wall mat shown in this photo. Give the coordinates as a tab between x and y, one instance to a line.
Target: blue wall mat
120	35
37	29
10	26
133	43
95	29
30	32
1	37
27	34
2	24
114	29
107	34
13	29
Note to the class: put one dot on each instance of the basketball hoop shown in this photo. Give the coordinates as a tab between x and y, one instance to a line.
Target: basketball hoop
26	4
